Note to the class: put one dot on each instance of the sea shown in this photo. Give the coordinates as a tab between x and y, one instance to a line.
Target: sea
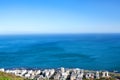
85	51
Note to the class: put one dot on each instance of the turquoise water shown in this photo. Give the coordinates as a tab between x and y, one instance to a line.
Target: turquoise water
87	51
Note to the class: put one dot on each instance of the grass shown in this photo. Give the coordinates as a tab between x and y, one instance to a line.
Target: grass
6	76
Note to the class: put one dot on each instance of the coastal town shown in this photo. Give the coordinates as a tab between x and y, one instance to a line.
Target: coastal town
58	74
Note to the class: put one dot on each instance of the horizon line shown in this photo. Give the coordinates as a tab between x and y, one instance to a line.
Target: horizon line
57	33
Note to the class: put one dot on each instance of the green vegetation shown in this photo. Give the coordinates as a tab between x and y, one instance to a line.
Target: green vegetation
6	76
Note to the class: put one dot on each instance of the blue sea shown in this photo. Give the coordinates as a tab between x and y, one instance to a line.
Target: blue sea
86	51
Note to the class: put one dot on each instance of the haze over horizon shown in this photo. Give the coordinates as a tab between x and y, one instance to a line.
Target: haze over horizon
59	16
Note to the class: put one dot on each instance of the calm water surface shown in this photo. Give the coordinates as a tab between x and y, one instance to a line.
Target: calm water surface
87	51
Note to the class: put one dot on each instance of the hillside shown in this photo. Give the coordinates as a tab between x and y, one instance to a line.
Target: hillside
6	76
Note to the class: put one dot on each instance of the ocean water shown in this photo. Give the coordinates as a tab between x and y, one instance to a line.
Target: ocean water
86	51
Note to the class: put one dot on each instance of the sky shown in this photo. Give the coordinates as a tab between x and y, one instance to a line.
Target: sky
59	16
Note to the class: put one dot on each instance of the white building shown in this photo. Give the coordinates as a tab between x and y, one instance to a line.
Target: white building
105	74
2	69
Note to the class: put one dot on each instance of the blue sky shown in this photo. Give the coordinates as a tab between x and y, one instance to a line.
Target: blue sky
59	16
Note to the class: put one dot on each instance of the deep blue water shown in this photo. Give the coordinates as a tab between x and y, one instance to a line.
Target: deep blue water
87	51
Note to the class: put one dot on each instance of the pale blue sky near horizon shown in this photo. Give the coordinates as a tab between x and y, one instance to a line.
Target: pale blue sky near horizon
59	16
